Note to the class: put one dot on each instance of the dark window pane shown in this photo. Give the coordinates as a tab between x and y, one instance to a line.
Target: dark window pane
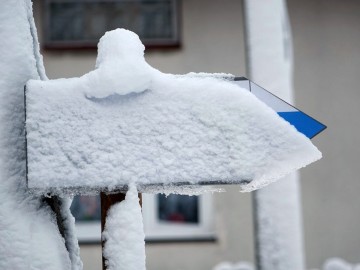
178	208
66	21
75	21
86	208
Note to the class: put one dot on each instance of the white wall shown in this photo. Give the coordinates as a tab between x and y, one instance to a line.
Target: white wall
327	76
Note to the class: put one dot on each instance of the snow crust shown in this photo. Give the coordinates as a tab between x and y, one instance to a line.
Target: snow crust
71	242
126	122
120	66
234	266
339	264
124	236
190	190
30	238
330	264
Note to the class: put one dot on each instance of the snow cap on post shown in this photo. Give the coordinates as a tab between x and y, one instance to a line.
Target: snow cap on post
126	122
119	44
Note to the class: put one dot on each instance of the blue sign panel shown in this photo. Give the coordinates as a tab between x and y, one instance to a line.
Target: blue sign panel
304	123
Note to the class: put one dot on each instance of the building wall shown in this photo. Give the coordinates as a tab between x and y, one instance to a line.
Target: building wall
327	63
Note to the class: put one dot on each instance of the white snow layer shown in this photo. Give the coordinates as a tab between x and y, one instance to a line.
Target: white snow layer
329	264
30	238
126	122
339	264
71	242
124	236
234	266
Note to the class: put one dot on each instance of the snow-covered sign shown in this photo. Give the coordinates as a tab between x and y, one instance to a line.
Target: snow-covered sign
126	122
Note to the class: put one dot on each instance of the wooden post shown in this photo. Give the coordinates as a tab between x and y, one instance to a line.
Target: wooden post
107	200
55	204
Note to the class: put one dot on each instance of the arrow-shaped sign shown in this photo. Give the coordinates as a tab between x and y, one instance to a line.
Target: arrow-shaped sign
304	123
126	122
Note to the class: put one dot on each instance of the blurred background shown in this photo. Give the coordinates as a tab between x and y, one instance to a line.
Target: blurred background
186	233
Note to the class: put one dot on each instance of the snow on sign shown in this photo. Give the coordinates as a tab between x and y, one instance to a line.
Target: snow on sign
302	122
128	123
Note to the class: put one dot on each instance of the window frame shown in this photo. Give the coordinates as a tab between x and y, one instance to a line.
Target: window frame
155	43
159	231
89	232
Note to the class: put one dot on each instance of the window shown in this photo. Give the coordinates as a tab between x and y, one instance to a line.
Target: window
87	213
178	217
172	218
71	24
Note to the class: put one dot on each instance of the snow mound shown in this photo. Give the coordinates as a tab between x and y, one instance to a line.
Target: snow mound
124	236
234	266
121	67
126	122
339	264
